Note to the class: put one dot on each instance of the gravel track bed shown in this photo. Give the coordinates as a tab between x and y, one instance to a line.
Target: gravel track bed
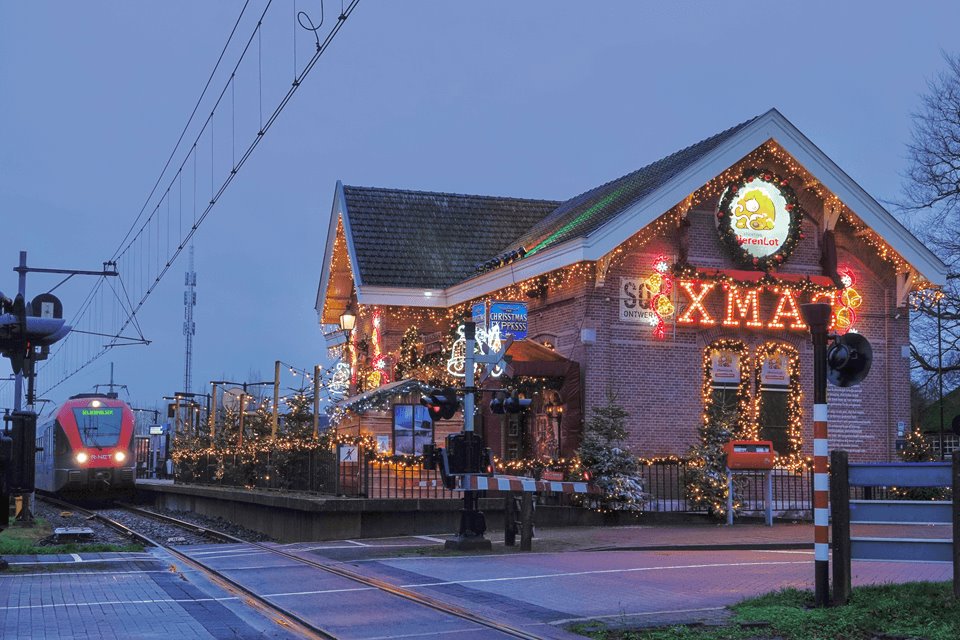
58	517
161	532
217	524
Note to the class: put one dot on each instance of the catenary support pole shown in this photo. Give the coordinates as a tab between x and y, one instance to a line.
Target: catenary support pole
940	371
275	416
22	290
316	401
212	414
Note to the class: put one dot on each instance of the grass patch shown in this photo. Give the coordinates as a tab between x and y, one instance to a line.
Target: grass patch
18	540
915	610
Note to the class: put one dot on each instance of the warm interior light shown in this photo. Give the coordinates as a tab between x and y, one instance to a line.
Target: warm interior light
82	457
120	456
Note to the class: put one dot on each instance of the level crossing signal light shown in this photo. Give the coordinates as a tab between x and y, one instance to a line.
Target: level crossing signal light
465	452
20	451
21	333
502	403
441	404
848	360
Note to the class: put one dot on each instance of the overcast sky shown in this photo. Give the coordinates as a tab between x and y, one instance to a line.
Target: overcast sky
527	99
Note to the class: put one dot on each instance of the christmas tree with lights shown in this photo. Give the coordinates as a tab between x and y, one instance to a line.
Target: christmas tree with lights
607	463
707	473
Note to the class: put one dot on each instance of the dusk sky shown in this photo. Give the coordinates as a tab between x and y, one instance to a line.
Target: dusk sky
526	99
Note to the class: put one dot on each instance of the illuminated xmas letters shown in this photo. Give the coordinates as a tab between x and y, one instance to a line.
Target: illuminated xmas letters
696	303
742	304
747	305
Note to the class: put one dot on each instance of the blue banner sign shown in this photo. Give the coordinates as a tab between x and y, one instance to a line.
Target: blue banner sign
479	313
512	318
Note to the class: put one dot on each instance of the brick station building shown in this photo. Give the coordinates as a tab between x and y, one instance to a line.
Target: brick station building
675	288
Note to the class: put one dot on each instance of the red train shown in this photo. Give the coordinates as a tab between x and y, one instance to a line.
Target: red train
87	448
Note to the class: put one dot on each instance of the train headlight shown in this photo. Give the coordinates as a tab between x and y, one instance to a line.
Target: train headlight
120	456
82	457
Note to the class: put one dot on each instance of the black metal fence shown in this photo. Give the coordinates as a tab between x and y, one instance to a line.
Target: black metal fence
322	472
666	481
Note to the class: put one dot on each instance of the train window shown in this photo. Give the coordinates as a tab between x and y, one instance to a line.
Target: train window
99	427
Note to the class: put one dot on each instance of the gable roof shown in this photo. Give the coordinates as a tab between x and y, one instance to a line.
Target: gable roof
427	240
583	228
586	212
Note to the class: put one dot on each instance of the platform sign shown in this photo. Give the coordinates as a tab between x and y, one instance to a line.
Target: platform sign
512	318
478	313
348	453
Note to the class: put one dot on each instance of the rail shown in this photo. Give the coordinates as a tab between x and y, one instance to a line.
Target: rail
293	621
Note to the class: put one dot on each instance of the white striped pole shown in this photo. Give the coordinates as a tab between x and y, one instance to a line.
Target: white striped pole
817	316
821	495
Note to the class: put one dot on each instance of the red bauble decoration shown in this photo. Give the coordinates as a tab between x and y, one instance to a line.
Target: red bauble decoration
789	206
767	177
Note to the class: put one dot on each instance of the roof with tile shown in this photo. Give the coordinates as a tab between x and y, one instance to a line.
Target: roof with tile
434	240
431	240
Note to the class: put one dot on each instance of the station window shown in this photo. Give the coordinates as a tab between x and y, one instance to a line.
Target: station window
778	396
763	392
412	428
726	390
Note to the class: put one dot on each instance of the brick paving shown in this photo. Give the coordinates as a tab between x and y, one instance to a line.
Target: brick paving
108	596
651	575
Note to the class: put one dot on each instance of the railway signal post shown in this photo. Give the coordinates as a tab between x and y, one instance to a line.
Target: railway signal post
26	332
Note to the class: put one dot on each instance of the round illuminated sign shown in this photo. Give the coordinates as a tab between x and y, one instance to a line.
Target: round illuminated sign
759	219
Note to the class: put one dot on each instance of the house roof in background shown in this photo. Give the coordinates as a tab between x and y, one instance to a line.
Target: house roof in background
429	240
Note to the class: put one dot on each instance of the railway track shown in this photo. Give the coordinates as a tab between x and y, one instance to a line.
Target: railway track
282	615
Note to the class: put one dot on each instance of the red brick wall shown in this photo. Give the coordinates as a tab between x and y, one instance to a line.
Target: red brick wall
659	381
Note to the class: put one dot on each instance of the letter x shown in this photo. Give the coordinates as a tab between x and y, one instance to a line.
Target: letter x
696	302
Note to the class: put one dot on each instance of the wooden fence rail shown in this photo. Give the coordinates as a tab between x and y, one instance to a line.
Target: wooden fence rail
845	512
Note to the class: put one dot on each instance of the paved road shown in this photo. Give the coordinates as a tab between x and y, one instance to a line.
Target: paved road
149	595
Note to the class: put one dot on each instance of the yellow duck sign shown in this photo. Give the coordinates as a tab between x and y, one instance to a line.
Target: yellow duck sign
758	218
756	210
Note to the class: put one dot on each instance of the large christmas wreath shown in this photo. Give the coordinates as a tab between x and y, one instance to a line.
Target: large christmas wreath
747	219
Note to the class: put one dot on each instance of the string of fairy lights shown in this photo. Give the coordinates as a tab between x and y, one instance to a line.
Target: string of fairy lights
368	364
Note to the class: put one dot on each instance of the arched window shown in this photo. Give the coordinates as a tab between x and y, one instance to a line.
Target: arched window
726	378
777	398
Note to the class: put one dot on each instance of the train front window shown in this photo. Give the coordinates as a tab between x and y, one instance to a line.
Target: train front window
99	427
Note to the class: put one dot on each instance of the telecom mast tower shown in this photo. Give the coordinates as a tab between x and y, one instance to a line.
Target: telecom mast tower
189	327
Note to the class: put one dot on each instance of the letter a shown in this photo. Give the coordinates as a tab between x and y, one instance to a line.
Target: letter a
787	299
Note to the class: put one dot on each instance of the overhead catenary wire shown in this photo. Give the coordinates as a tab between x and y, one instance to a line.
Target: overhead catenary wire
133	247
186	127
